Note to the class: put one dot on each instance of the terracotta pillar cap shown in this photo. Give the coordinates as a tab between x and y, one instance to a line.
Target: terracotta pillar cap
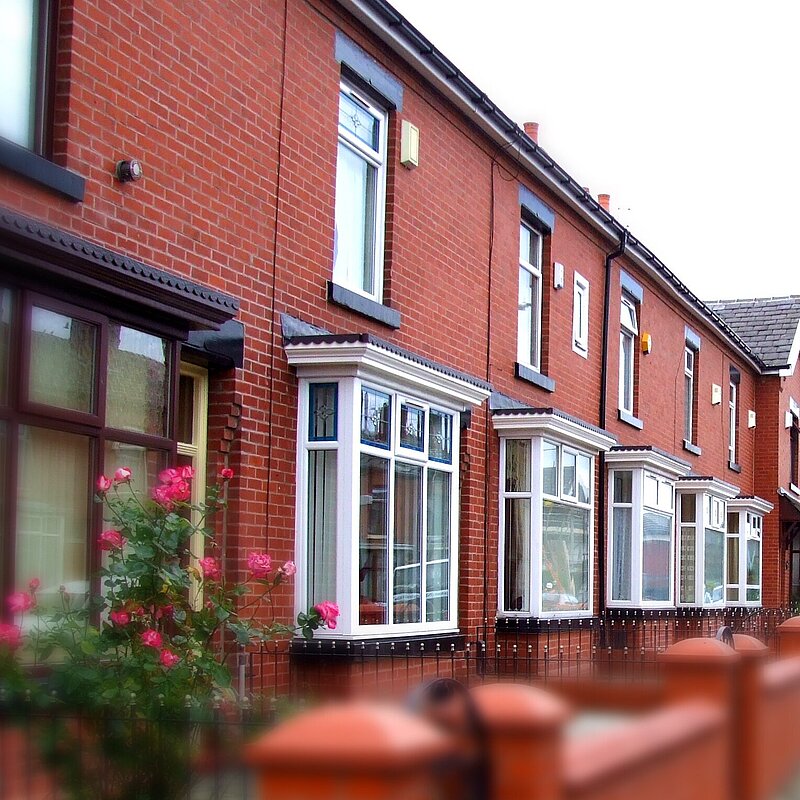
792	625
513	706
699	650
749	646
350	736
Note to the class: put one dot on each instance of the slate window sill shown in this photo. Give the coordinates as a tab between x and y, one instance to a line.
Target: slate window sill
39	170
691	448
363	305
629	419
735	467
536	378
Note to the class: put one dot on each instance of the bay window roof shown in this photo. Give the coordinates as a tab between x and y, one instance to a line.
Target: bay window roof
647	457
708	484
526	421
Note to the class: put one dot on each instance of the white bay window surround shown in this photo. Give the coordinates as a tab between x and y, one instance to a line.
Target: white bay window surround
641	550
702	529
546	513
743	552
378	485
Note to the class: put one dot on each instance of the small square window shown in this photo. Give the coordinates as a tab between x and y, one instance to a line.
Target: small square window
323	412
412	427
376	413
440	436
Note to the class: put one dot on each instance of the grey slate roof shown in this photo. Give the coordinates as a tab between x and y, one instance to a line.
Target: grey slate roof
767	324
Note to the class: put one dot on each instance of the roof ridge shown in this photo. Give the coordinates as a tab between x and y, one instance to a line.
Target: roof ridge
773	298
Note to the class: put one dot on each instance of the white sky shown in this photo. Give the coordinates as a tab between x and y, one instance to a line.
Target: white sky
686	113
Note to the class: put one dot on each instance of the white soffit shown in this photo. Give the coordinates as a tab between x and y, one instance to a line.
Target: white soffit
520	424
644	458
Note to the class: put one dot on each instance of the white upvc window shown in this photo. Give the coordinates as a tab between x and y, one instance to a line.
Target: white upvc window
733	415
702	528
689	358
546	514
529	300
629	330
360	194
378	488
745	526
580	315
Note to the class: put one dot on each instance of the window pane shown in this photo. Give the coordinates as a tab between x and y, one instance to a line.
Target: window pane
651	491
628	316
626	372
688	397
688	508
440	436
6	299
374	540
550	468
623	486
584	479
18	68
565	557
656	547
375	417
437	603
323	412
356	208
52	525
517	563
138	381
145	464
733	560
321	531
753	562
714	563
407	585
568	488
753	595
62	365
525	312
412	427
356	119
622	570
688	575
518	465
185	428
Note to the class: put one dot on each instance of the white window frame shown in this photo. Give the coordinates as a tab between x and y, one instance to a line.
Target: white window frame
733	411
352	365
749	512
345	274
627	368
689	362
711	513
580	315
529	350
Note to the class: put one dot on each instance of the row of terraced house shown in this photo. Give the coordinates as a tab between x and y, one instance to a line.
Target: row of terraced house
452	386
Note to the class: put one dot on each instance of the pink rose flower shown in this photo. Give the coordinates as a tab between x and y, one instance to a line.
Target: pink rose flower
10	636
20	602
123	475
259	564
112	540
103	484
329	612
163	496
288	569
120	617
169	475
226	473
151	638
210	568
34	584
168	659
164	611
187	473
180	491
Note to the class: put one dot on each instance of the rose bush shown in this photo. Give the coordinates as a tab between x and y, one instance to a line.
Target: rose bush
156	637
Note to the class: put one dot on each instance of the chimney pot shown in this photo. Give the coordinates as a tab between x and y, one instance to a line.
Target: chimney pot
532	129
605	201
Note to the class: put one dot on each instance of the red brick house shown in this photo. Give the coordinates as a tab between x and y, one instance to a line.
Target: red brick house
451	384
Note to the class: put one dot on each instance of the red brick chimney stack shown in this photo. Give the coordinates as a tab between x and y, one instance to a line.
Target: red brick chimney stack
532	129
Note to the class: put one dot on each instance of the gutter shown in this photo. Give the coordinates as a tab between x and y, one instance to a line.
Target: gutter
405	40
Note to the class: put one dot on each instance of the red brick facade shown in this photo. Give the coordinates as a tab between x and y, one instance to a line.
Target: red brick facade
232	109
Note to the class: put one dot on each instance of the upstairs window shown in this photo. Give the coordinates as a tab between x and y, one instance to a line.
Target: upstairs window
24	64
580	316
629	330
733	418
688	394
529	308
794	451
360	193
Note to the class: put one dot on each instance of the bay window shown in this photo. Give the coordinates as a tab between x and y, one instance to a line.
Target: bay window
546	513
641	552
378	487
743	538
702	530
